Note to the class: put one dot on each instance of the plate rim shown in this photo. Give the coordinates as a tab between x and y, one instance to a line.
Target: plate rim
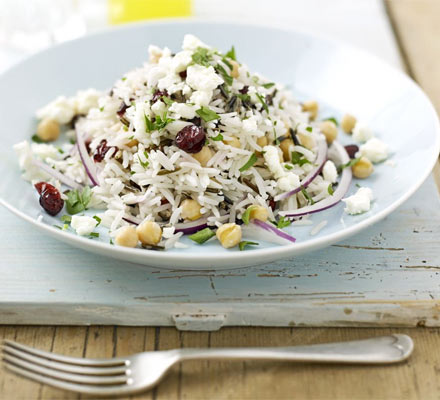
215	258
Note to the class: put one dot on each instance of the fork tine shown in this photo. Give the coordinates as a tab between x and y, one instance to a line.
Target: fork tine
84	370
85	389
65	359
75	378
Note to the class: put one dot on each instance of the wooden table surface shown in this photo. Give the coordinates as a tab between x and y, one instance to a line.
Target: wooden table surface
417	27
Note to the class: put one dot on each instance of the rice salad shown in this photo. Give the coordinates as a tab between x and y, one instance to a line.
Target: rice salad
193	143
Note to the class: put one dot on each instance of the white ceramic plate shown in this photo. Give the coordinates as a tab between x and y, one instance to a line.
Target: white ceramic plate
341	78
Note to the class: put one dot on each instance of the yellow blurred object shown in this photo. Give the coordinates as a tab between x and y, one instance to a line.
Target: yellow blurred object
121	11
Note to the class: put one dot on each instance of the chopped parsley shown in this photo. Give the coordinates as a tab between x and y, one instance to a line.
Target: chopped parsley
202	56
157	123
247	214
167	100
263	102
207	114
101	109
231	54
283	222
98	220
242	245
202	236
66	218
333	119
60	150
94	235
268	85
350	163
309	129
72	141
111	241
226	77
76	201
243	97
330	190
299	158
288	167
145	163
35	138
217	138
124	78
252	160
307	196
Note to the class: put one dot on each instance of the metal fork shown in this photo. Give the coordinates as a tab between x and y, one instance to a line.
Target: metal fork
127	375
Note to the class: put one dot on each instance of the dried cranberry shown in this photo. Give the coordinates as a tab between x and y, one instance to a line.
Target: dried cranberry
244	90
121	110
191	139
272	204
158	94
102	150
163	201
50	198
196	121
182	74
352	149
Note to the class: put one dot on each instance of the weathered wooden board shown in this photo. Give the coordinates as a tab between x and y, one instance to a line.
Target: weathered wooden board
387	275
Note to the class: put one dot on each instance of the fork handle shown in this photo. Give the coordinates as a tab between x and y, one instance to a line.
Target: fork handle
379	350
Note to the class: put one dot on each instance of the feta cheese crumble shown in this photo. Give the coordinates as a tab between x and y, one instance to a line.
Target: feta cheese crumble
359	202
375	150
83	225
330	172
361	132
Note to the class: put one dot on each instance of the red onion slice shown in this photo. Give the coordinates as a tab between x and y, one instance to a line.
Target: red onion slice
260	230
191	227
337	196
86	160
321	157
56	174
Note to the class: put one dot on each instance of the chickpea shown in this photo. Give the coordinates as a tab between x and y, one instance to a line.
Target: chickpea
312	108
259	212
127	237
286	147
203	156
48	130
233	141
330	130
363	168
306	140
347	123
234	71
191	209
229	235
149	232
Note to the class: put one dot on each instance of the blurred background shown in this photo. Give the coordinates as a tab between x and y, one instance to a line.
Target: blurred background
28	26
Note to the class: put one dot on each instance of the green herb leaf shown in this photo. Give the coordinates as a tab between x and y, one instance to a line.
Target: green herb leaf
101	109
123	78
72	141
226	77
283	222
157	124
268	85
309	129
243	97
111	241
242	245
66	218
307	196
202	56
76	201
202	236
330	190
288	167
299	158
145	163
149	125
333	119
227	63
207	114
252	160
94	234
263	102
246	215
98	220
35	138
231	54
350	163
65	226
167	100
60	150
218	138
